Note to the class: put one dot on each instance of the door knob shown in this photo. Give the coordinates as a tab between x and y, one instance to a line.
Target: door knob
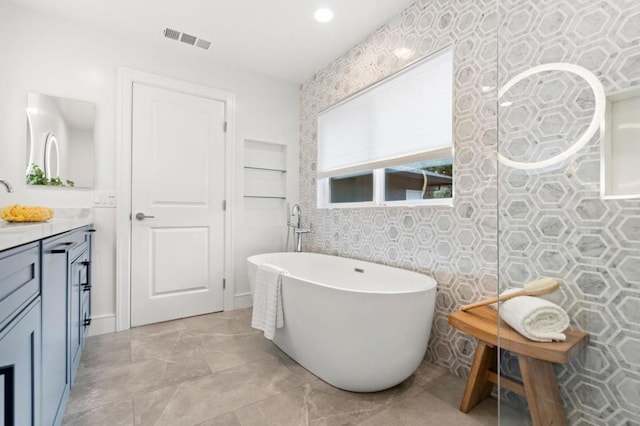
142	216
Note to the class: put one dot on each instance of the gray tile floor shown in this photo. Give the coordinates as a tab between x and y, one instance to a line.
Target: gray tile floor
216	370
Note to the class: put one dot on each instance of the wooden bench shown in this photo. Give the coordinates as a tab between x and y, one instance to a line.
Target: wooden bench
539	385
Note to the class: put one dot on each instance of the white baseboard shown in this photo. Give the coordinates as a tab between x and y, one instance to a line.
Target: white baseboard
242	300
102	324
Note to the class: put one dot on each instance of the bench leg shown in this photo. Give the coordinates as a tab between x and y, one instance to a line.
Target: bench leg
542	392
478	386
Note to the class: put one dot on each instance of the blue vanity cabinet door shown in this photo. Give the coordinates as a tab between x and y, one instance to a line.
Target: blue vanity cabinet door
85	310
65	264
56	374
20	343
76	323
80	298
20	363
87	288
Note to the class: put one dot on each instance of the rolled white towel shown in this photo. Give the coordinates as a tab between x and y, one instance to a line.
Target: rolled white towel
535	318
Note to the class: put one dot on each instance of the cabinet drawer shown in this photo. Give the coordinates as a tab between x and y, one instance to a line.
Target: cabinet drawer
71	249
19	279
71	243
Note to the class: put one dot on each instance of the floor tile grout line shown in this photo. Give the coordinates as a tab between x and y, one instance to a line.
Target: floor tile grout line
243	364
133	414
261	400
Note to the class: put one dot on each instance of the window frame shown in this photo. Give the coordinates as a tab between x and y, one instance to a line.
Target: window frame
378	166
324	194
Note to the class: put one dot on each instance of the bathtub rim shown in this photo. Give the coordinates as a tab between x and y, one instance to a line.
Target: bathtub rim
430	286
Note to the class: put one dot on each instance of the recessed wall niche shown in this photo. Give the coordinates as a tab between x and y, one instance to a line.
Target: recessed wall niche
620	174
265	196
265	167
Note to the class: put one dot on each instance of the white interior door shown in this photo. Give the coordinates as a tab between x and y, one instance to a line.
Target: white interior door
178	181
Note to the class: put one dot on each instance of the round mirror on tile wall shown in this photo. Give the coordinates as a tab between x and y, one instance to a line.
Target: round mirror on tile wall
559	87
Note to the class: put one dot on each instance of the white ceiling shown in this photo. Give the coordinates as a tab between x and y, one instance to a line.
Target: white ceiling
278	38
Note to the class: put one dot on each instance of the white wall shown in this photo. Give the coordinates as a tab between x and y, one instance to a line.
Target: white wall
49	55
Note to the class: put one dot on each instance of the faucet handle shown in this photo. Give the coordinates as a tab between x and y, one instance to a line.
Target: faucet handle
7	185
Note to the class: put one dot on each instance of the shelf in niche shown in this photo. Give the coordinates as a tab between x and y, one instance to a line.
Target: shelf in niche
265	168
620	175
264	155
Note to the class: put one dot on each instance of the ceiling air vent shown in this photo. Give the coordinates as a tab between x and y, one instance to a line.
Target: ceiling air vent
186	38
189	39
172	34
203	44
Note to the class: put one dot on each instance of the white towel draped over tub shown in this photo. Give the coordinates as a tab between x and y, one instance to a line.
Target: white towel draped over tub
535	318
267	300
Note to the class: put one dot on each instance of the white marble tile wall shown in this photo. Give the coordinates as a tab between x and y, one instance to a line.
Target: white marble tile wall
455	245
552	222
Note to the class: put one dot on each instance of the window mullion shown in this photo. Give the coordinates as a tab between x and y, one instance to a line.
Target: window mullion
378	187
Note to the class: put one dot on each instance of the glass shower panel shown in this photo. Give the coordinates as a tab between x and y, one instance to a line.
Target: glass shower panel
564	68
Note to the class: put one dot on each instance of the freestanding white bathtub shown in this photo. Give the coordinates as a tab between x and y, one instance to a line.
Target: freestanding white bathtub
359	326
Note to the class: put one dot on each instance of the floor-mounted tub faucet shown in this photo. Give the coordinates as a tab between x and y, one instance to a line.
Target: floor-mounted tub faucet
296	211
7	185
297	228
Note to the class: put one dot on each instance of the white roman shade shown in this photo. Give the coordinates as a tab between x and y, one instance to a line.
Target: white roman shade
402	119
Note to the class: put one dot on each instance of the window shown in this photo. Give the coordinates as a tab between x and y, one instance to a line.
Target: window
392	142
351	189
425	180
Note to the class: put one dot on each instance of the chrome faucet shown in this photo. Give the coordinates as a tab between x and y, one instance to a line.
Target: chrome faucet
296	211
297	228
7	185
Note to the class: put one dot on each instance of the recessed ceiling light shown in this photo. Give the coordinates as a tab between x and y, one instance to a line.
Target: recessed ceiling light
323	15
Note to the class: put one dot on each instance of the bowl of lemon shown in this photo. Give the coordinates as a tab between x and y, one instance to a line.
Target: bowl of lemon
18	213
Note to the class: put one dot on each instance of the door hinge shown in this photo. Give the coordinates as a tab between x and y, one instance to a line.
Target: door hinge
224	284
224	205
224	127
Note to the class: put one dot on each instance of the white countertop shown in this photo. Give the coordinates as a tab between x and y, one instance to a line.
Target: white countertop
15	234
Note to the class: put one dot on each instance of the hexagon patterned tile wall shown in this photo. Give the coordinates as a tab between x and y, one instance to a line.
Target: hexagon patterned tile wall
455	245
551	223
